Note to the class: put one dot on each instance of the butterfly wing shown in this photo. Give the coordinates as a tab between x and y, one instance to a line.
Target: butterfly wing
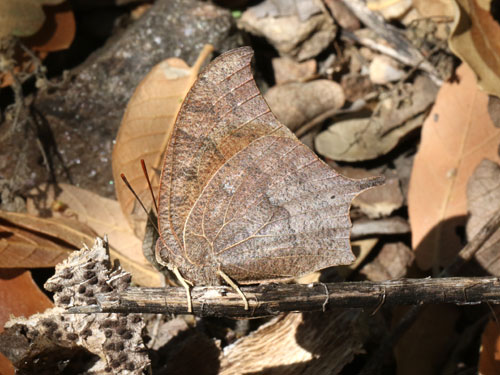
240	192
223	113
273	210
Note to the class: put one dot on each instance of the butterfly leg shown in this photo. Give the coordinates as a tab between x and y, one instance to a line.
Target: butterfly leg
187	285
235	286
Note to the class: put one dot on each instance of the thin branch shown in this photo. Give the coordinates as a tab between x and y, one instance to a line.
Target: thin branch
272	299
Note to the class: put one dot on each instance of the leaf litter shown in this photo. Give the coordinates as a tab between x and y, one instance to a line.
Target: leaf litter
368	120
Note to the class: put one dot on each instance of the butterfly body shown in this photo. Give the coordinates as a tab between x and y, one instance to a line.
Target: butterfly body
240	194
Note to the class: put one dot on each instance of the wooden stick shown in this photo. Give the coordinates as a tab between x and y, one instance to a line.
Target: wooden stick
272	299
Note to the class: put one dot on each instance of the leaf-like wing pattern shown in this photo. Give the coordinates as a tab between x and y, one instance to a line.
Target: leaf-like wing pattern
223	113
241	193
274	210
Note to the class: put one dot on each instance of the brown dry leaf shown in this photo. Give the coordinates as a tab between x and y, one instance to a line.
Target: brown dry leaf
483	201
381	201
296	103
368	138
434	8
20	296
287	70
104	217
20	248
292	31
342	15
391	263
489	358
475	40
314	343
31	241
456	136
145	131
390	9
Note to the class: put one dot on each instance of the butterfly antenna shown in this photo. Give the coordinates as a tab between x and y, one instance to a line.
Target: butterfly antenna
145	170
139	200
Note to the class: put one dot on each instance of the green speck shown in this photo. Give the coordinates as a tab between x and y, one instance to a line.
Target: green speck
236	14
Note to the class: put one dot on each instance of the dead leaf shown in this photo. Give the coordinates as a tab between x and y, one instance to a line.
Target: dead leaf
367	138
456	136
380	201
391	263
475	40
489	358
342	15
283	8
383	70
390	9
435	8
494	110
145	131
296	103
483	201
20	296
104	217
20	248
291	34
30	241
287	70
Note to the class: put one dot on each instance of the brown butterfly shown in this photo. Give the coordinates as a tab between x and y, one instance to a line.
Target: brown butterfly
241	198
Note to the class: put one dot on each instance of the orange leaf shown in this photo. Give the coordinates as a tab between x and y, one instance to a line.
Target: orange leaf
29	241
20	296
104	217
475	40
456	136
57	32
145	131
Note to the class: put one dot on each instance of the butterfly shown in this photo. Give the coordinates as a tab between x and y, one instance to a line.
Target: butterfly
241	199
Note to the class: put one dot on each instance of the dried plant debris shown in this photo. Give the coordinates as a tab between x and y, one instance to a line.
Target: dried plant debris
53	341
391	263
288	70
296	103
293	32
396	115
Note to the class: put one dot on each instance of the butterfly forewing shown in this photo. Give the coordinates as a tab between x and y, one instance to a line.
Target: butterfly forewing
222	114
